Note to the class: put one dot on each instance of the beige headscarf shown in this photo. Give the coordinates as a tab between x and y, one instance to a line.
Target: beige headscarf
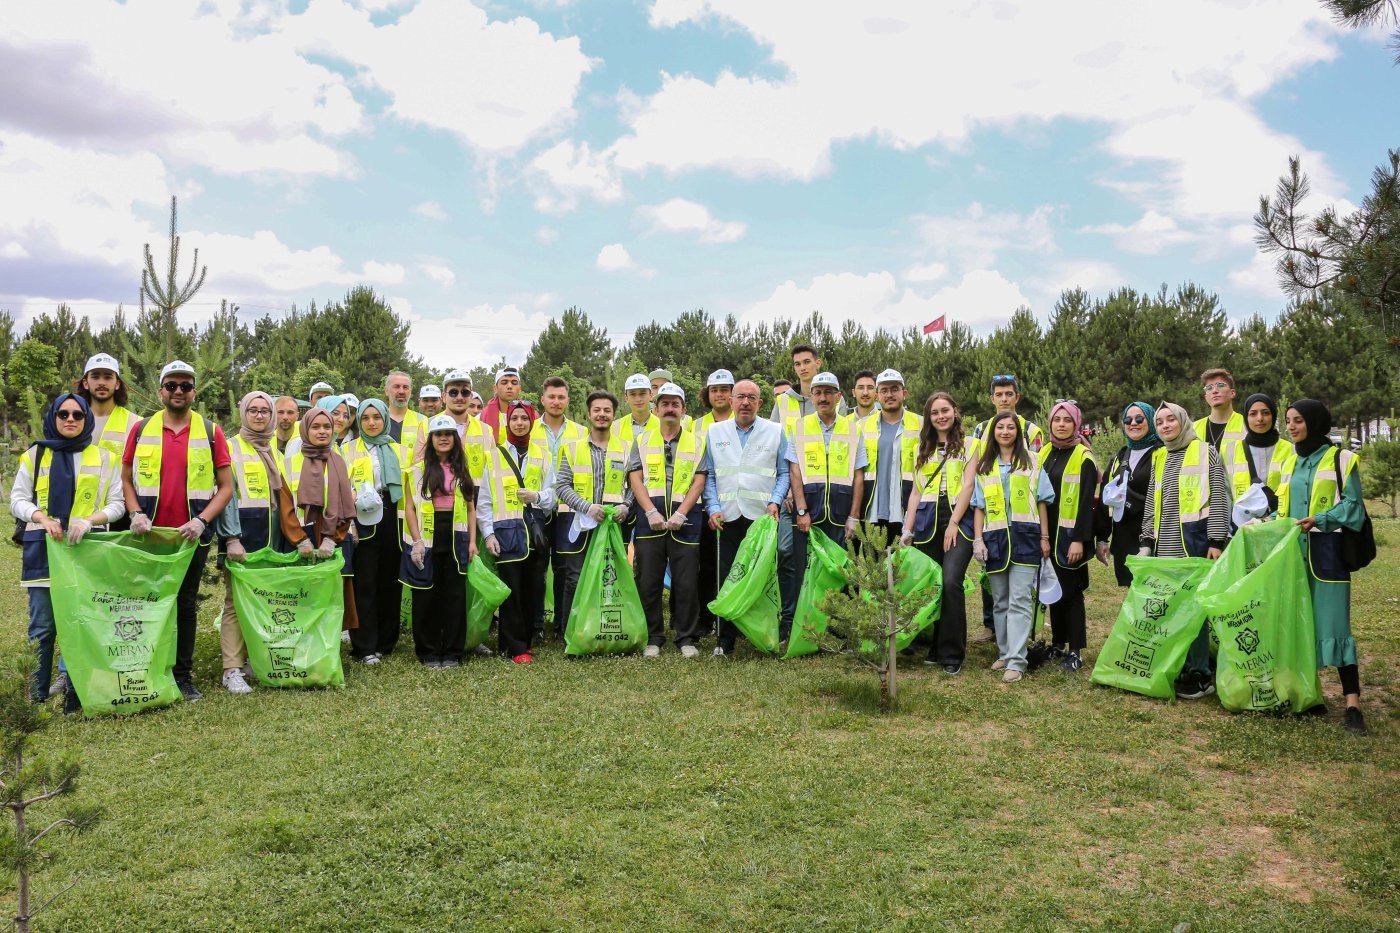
261	440
338	504
1188	430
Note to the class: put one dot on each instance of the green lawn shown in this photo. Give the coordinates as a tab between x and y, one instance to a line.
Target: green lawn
755	794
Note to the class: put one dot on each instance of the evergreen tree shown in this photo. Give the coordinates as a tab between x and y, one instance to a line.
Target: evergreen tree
70	336
570	341
1365	14
165	294
34	368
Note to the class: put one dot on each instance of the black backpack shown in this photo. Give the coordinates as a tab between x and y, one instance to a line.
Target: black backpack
1359	547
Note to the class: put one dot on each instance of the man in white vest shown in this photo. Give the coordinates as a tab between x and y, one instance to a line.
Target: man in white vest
747	476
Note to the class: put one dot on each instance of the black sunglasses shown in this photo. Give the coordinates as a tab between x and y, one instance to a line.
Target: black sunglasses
1135	419
173	386
458	393
66	415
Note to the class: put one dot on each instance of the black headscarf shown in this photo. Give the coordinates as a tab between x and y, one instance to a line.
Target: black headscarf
62	481
1270	437
1319	422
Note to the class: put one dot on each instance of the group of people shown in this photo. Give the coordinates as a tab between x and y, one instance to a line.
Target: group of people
409	496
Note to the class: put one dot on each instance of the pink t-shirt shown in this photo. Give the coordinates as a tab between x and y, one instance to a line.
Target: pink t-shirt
441	502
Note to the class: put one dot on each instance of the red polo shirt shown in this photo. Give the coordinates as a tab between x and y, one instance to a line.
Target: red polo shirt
173	507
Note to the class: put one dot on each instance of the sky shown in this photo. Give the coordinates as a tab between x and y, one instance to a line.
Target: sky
486	165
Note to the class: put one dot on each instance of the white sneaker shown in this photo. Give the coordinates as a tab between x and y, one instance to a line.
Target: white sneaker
690	651
369	659
652	651
719	653
234	682
345	637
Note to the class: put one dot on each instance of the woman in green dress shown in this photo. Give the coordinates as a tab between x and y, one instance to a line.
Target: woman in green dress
1320	489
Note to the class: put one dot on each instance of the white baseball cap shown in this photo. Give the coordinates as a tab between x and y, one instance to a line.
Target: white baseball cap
442	423
369	507
456	375
637	381
825	379
889	375
477	396
351	399
102	361
720	377
670	388
176	367
320	387
507	371
430	391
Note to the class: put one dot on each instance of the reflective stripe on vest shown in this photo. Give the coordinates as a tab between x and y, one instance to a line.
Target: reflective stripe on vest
828	474
1193	496
908	444
580	457
1232	452
359	463
256	511
652	450
200	481
626	430
931	490
1067	497
291	473
91	486
702	427
1324	547
507	511
1030	431
427	519
115	430
1011	532
744	473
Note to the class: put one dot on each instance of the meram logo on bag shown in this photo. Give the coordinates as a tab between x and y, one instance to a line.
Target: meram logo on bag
738	571
1247	640
127	628
1154	608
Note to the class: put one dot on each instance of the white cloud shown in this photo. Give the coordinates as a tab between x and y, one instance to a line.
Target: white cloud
1089	274
926	272
974	238
567	172
431	210
443	275
475	336
681	216
982	299
1259	276
1149	234
547	234
614	258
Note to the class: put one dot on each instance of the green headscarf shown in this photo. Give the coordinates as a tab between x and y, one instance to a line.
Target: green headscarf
379	446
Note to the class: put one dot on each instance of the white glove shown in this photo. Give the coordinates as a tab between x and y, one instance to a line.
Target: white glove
417	553
1102	552
305	550
77	527
676	522
493	546
192	529
1144	552
326	549
527	496
851	524
655	520
236	552
140	524
906	539
596	512
979	550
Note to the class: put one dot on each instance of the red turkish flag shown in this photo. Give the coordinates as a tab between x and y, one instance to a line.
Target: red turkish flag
935	326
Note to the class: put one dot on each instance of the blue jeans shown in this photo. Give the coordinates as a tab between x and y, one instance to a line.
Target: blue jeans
42	633
1013	614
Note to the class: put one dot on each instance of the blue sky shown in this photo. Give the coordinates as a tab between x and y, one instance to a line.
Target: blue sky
486	166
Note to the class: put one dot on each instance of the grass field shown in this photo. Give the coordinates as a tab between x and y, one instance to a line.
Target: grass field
748	795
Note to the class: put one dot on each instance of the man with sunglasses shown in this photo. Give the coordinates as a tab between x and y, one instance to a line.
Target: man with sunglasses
477	440
1224	428
1006	396
175	474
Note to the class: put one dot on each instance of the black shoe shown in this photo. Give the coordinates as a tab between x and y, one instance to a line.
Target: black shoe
71	704
1195	686
1071	662
450	662
189	691
431	662
952	669
1355	723
482	651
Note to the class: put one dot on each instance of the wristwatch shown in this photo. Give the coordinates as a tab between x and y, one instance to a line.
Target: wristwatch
801	512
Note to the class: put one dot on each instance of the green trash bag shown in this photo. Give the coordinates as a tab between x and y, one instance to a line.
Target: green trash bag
1257	602
826	571
549	600
485	592
114	608
606	616
291	612
749	597
915	572
1159	619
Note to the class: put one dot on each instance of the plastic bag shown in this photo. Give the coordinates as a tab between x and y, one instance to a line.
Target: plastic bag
1258	605
1253	503
114	607
915	572
826	570
606	616
290	612
1048	582
749	597
485	592
1115	495
549	600
1159	619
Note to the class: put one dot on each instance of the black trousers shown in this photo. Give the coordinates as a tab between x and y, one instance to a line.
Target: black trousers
546	550
652	556
708	577
731	536
440	614
566	570
187	615
377	591
516	619
950	631
1067	617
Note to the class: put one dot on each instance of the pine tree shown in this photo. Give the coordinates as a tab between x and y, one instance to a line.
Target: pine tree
1365	14
166	295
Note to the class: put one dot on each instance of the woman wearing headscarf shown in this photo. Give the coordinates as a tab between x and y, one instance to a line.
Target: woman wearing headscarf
511	514
1133	466
1069	464
315	505
342	421
66	485
249	522
1320	489
377	466
1264	449
1186	514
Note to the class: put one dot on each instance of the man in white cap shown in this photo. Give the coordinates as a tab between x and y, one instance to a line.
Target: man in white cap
636	392
405	425
429	401
102	387
667	477
747	476
827	461
891	447
507	389
477	440
554	431
318	391
175	474
718	398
